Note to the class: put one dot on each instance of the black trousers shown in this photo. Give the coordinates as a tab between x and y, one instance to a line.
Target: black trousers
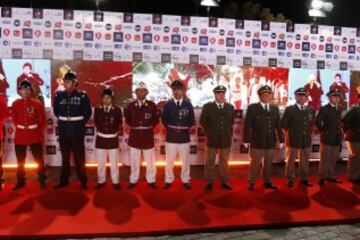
37	151
76	146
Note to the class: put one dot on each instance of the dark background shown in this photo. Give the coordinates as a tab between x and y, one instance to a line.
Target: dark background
345	13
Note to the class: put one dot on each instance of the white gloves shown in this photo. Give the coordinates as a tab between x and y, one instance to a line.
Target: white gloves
246	145
281	145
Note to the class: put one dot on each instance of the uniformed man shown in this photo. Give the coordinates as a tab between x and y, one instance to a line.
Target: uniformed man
178	117
297	122
351	128
4	114
217	119
142	116
72	108
28	115
108	122
328	124
262	130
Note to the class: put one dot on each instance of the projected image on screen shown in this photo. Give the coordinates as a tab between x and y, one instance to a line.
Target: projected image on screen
37	71
199	81
354	87
94	77
244	82
318	83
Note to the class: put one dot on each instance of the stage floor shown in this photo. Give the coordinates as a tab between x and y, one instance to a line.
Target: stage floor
70	212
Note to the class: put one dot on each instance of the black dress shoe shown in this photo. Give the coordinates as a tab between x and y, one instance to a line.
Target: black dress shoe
290	183
99	186
270	186
43	185
19	185
117	186
61	185
306	183
251	186
187	186
334	180
167	186
321	182
226	186
132	185
152	185
208	186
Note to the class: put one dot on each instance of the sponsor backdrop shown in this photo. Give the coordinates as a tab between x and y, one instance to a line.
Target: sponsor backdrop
118	50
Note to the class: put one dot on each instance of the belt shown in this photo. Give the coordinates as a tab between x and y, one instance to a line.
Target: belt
79	118
32	126
178	127
104	135
141	128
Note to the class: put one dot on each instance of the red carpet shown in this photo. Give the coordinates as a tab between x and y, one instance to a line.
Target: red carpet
74	213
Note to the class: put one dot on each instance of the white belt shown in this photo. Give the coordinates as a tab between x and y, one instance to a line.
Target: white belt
142	128
178	127
32	126
104	135
71	118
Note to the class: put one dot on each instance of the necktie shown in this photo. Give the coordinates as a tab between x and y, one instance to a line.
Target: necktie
266	108
141	104
302	108
220	106
178	104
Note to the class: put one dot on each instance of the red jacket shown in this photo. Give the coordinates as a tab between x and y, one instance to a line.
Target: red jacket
4	113
341	86
142	122
28	116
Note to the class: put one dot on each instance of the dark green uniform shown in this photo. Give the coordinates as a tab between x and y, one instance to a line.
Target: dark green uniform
297	121
217	124
262	129
351	128
328	123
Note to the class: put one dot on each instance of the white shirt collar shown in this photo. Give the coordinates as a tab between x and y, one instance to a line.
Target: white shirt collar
141	102
220	104
333	105
299	106
178	100
265	104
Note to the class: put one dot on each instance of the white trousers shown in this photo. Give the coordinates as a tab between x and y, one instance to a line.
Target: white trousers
149	158
172	149
102	155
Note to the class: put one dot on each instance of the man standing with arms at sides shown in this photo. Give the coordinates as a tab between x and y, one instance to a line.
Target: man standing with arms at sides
28	115
178	117
297	122
142	116
72	108
217	119
328	122
351	128
262	131
4	114
108	122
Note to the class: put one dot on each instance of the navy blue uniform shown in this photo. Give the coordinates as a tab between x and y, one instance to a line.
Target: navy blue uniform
178	120
73	110
72	105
